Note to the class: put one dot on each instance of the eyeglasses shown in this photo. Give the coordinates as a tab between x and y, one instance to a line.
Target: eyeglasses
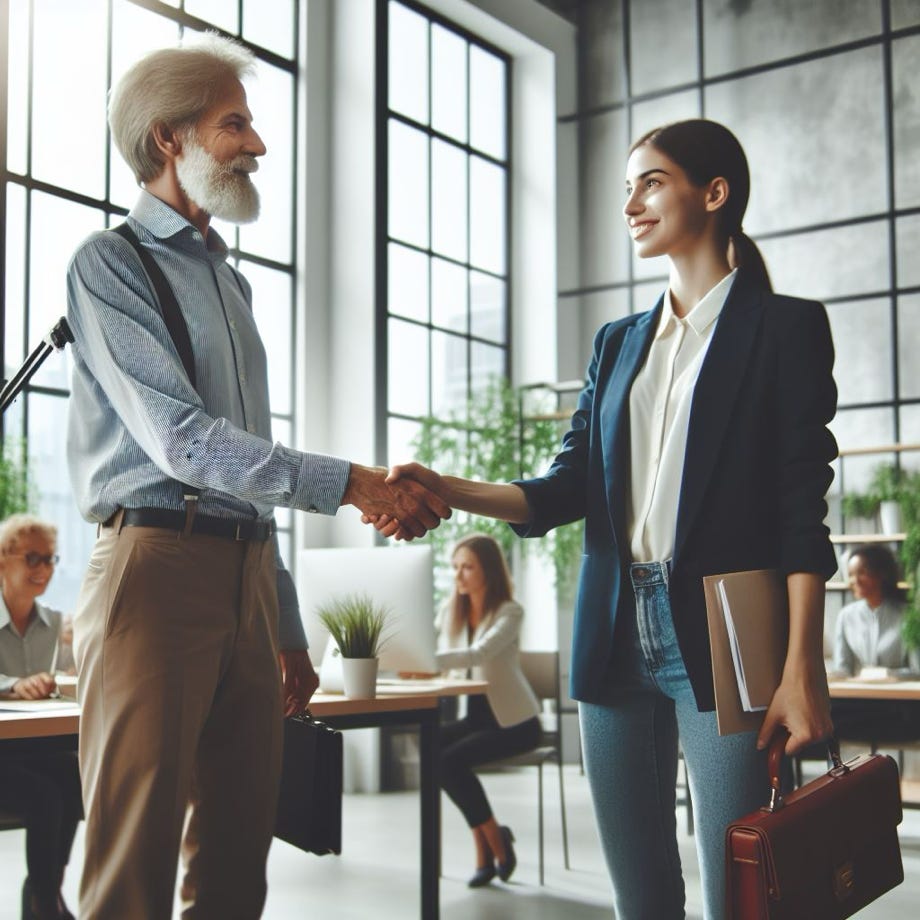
34	560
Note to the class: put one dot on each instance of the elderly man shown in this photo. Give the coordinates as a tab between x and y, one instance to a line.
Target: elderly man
176	633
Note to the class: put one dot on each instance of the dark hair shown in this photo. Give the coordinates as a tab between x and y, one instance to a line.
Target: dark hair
495	572
881	562
705	150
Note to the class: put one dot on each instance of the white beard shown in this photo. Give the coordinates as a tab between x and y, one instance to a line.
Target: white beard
224	190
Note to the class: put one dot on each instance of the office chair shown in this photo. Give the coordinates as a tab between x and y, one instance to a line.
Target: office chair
542	672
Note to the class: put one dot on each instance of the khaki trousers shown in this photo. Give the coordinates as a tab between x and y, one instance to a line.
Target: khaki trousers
175	640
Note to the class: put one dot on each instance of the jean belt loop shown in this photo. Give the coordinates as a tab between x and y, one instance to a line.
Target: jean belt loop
118	520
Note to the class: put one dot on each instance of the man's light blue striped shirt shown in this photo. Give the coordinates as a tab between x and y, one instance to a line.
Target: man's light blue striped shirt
137	427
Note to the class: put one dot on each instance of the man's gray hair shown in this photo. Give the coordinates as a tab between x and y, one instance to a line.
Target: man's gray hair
172	87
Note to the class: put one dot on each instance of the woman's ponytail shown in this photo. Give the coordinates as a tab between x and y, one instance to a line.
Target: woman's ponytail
748	257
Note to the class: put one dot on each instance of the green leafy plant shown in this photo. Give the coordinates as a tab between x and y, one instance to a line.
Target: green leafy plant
887	483
496	440
356	625
16	492
909	502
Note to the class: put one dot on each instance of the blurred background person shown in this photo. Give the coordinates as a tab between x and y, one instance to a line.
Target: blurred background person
868	632
479	632
43	789
868	635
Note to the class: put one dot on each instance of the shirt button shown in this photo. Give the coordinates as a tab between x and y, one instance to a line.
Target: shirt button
251	428
243	379
233	324
313	510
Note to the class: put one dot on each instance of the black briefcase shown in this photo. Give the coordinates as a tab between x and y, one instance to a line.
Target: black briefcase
310	798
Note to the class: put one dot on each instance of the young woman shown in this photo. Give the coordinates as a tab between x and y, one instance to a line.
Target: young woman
479	631
868	634
699	446
43	788
869	630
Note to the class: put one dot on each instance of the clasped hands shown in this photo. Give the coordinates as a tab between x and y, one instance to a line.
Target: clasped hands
404	503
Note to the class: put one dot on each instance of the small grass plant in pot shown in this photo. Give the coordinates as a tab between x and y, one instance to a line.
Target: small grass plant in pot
357	627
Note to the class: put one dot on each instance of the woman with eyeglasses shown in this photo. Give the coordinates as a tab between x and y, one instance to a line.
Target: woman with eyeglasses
42	789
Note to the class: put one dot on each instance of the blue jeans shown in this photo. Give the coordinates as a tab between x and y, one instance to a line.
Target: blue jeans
630	750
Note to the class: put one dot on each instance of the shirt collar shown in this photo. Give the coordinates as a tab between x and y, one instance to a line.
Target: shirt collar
703	315
6	620
164	222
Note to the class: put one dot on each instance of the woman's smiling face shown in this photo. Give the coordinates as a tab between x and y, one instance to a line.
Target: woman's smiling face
666	214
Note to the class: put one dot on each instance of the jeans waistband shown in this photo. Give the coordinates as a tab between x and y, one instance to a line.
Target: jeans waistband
648	574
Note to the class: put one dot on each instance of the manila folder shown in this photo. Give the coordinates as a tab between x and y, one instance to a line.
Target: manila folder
759	609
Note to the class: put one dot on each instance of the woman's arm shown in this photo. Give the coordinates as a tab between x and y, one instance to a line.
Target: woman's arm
500	500
844	658
492	642
801	702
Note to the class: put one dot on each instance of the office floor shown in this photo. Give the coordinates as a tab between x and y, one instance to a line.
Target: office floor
377	874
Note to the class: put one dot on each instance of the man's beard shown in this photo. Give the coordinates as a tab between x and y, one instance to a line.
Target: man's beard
224	190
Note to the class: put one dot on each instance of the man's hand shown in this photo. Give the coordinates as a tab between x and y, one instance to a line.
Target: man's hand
35	687
411	509
299	680
386	524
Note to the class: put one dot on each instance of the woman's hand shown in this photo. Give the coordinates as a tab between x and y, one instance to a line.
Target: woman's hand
35	687
801	704
389	526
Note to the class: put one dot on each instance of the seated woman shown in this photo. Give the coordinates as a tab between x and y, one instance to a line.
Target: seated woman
44	789
479	630
868	634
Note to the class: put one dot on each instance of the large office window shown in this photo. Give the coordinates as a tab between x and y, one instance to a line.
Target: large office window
63	179
443	220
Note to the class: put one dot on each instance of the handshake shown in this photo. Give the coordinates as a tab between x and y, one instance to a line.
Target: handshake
411	499
404	503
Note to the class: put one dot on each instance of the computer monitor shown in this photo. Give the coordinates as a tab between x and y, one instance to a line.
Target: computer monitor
396	577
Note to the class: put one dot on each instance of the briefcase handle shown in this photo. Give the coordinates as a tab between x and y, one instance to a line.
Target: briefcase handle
775	761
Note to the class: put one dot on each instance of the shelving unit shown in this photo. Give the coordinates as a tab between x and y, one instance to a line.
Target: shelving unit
853	539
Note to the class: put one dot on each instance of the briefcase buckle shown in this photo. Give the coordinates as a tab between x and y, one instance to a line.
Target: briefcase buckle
844	880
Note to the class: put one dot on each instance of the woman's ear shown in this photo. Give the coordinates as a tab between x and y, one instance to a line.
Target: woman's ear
717	194
167	140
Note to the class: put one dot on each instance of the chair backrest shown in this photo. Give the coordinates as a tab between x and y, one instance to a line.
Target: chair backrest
542	672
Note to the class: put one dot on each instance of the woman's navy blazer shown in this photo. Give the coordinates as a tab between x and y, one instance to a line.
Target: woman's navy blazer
756	469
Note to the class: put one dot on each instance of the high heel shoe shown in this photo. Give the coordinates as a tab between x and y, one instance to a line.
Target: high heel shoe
482	876
510	863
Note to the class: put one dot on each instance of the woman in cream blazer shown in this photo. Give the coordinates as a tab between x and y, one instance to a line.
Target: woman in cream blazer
479	637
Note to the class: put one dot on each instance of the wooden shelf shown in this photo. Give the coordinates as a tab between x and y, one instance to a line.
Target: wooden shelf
845	538
878	449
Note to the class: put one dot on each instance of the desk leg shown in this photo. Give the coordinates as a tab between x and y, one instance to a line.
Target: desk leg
430	793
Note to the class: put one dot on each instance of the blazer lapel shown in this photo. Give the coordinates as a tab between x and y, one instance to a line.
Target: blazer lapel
714	397
614	420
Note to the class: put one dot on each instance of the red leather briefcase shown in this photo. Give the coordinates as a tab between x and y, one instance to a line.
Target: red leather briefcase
822	852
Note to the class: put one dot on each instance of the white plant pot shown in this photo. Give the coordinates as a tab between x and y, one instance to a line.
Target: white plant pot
890	517
359	678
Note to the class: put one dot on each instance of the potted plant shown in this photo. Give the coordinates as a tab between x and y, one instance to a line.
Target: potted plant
881	501
356	625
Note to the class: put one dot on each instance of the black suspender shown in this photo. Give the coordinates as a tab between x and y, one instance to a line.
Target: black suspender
172	315
178	332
